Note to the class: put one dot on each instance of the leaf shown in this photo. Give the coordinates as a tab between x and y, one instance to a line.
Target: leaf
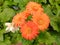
45	37
22	3
2	43
44	1
58	1
7	42
29	18
7	14
26	1
1	35
0	9
6	4
16	1
47	9
55	23
58	39
17	38
56	35
1	2
58	10
52	2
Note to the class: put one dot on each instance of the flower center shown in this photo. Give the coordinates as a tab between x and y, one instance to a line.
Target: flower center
28	30
40	22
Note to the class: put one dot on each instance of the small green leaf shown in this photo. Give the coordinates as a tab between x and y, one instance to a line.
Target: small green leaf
29	18
1	35
0	9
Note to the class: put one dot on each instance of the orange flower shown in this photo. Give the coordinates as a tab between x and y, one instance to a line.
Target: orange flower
26	13
34	7
29	30
42	21
19	19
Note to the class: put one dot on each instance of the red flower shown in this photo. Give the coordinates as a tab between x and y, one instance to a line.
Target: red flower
41	20
34	7
29	30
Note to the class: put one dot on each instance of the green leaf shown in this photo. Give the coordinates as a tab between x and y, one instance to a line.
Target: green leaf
55	23
58	39
1	2
44	1
47	9
0	9
58	1
29	18
6	4
1	35
2	43
22	3
7	42
7	14
52	2
26	1
16	1
17	38
56	35
58	10
45	37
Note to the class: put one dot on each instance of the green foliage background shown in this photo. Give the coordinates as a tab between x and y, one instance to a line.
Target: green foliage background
8	8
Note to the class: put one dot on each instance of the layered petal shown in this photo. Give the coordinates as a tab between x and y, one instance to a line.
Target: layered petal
19	19
29	30
42	21
34	7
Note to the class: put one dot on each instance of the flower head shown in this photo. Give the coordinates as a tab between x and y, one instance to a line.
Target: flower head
34	7
29	30
19	19
41	20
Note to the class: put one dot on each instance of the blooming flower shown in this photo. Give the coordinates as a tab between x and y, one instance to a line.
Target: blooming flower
42	21
10	27
34	7
18	19
29	30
